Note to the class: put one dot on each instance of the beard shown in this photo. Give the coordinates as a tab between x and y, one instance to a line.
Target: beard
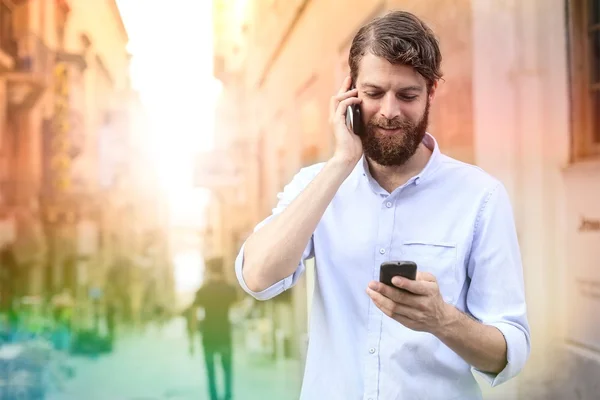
397	148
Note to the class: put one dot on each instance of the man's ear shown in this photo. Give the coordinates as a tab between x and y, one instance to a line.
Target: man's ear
432	91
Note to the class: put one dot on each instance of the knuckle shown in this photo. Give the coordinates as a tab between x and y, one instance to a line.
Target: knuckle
399	297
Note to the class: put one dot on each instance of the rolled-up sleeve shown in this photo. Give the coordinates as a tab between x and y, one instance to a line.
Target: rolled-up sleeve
290	192
496	295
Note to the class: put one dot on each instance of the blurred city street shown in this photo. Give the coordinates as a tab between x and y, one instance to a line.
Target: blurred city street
142	141
156	365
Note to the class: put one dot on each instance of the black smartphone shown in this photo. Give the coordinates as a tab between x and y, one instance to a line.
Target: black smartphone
354	118
390	269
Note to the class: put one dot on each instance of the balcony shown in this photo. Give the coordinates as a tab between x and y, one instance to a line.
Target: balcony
31	74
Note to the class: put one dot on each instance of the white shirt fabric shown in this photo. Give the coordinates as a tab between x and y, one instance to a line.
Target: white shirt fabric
456	222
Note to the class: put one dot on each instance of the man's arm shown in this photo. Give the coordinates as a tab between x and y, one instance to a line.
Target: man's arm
273	252
482	346
496	294
420	307
497	341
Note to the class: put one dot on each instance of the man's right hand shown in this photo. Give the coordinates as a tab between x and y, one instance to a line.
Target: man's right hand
348	146
273	252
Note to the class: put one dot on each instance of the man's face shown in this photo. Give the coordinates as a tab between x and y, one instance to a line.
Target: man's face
395	109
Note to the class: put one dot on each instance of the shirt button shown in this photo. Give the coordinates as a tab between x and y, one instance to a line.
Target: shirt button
372	350
382	251
388	204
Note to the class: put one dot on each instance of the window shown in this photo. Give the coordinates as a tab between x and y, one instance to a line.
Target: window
7	42
584	27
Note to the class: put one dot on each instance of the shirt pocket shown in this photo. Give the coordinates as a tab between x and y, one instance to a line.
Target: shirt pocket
437	258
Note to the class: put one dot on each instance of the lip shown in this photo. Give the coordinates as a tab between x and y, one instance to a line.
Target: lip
389	131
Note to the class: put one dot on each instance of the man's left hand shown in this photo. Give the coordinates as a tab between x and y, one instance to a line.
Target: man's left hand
417	304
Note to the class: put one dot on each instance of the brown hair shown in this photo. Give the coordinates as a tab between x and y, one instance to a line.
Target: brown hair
401	38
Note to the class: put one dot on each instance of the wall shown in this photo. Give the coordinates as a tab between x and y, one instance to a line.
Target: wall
522	136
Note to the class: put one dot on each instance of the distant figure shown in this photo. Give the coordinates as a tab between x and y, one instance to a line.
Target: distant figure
191	319
216	297
111	322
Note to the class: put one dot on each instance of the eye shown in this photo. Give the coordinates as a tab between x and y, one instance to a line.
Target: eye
373	95
408	98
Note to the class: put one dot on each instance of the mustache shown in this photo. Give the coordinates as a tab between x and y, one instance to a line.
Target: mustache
395	123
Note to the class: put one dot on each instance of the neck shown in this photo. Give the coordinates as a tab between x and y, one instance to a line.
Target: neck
394	176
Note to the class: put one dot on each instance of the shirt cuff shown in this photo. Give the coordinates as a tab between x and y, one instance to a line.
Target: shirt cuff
517	352
269	292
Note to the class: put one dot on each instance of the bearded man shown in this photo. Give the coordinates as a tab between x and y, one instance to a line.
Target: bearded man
390	195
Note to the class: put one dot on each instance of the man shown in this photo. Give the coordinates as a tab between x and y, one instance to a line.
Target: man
391	195
216	298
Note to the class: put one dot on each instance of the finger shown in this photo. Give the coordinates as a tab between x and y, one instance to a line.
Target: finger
383	303
398	296
426	276
340	112
345	95
387	291
406	312
391	308
416	287
335	100
345	85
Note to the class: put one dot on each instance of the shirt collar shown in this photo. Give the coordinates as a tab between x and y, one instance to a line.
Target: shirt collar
362	168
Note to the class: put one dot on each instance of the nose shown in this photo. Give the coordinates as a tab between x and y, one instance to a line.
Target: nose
390	106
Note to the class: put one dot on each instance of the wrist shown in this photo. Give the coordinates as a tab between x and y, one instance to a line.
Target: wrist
344	161
449	320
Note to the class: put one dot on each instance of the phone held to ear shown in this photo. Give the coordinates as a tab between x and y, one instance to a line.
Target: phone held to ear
354	118
390	269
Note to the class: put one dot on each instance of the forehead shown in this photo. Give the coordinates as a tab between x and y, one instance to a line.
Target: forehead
379	71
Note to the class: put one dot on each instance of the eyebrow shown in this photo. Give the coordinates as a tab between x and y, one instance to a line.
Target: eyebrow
416	88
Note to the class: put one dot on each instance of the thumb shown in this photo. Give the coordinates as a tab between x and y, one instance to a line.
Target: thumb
426	276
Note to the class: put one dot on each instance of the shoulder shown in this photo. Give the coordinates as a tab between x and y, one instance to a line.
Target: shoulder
468	176
308	173
301	180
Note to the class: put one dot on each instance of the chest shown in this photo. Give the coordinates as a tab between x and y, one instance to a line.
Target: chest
355	237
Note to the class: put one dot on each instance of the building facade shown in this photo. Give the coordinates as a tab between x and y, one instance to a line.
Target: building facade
519	98
76	205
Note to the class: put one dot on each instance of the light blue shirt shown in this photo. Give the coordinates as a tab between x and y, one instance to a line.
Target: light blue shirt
456	222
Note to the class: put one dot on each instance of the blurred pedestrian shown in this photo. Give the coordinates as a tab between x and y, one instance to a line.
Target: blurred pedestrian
216	297
191	323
